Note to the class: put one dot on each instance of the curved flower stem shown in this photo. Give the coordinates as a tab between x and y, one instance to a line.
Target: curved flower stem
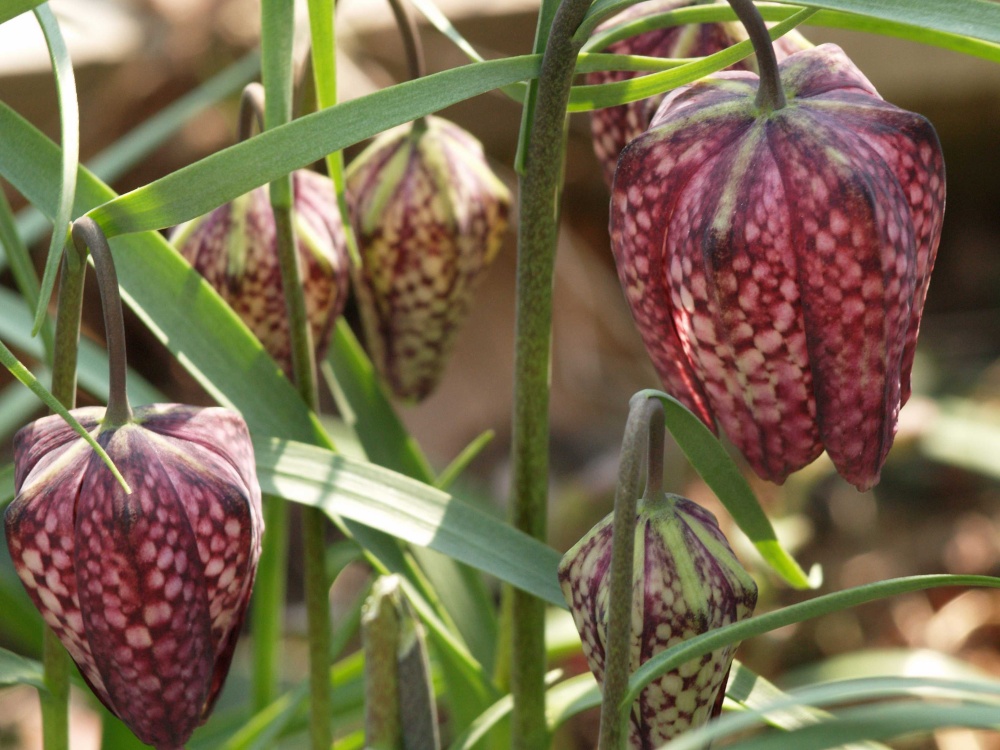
537	236
415	64
55	703
251	111
644	429
87	235
770	94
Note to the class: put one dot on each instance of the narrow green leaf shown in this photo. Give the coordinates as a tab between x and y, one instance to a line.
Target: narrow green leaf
227	174
772	12
11	8
92	359
23	269
752	692
714	465
978	19
497	713
885	721
22	373
364	405
461	462
16	670
69	121
703	644
928	691
588	97
131	148
409	510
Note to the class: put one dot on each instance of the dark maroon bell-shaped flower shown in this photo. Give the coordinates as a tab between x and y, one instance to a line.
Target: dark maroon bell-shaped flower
235	249
776	261
614	127
429	215
686	581
147	590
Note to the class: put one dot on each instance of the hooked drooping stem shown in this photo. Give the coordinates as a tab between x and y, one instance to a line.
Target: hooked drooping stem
88	236
645	425
770	95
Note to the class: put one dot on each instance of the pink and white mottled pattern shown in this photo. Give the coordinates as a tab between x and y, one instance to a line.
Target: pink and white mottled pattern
234	248
147	591
777	264
614	127
429	215
686	581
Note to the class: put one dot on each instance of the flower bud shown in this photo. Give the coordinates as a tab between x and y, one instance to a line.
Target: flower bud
614	127
429	215
686	581
147	591
776	262
235	249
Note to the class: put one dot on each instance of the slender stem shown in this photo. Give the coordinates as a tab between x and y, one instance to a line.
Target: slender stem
88	235
269	589
276	47
269	604
643	428
537	237
770	94
654	452
251	111
318	626
313	519
55	702
67	336
415	64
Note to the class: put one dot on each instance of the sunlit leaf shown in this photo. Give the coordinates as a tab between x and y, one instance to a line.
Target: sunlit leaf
201	187
69	122
410	510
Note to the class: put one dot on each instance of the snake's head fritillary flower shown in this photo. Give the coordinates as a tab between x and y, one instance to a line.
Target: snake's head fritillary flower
146	590
776	261
235	249
686	581
430	216
614	127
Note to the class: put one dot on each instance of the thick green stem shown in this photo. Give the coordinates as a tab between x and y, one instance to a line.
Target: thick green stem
770	94
537	237
313	519
277	111
644	429
87	235
55	702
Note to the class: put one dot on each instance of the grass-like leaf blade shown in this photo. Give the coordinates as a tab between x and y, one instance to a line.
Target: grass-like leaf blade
69	122
203	186
409	510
